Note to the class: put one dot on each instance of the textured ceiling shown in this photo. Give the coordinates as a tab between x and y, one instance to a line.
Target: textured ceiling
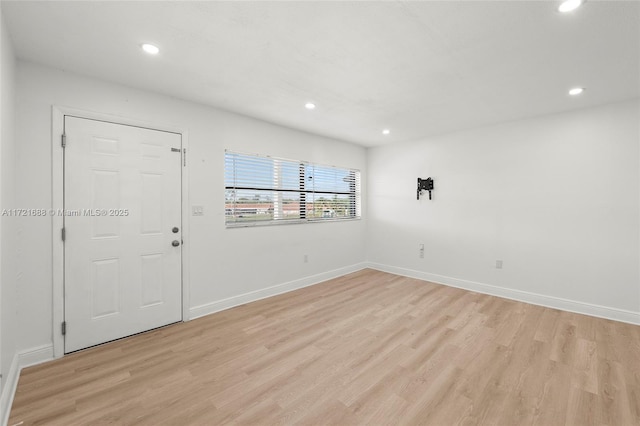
418	68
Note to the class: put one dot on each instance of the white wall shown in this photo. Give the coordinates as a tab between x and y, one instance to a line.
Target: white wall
556	198
8	305
224	262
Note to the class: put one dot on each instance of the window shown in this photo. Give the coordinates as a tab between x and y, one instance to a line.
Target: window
263	190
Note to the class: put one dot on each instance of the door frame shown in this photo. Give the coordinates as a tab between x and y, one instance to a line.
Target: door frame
57	202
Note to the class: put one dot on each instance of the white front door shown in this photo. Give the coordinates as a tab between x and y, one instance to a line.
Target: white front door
122	256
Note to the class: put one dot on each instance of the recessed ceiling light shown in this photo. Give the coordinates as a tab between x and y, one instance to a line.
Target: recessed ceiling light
386	131
576	91
569	5
150	49
310	105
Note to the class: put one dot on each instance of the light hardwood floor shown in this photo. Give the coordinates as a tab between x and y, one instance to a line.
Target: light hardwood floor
367	348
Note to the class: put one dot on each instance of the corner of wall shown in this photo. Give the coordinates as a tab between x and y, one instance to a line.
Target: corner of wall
20	361
8	287
9	390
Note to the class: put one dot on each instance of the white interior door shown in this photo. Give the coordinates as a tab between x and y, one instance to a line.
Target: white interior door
122	202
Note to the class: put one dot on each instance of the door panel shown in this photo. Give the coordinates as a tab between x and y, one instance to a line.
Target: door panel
122	197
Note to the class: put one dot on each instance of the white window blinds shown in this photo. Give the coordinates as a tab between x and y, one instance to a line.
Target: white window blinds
262	190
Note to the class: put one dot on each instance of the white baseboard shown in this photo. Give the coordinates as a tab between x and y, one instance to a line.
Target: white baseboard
35	356
221	305
519	295
20	360
9	390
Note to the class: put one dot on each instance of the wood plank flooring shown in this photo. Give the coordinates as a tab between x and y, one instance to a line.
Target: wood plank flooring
367	348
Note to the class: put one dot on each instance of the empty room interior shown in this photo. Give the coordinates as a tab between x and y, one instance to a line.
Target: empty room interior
320	212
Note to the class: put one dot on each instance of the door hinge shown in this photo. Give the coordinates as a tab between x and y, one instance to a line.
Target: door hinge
64	327
184	156
64	140
64	234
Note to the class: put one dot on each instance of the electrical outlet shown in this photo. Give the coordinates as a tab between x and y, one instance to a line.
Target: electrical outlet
306	258
498	264
421	251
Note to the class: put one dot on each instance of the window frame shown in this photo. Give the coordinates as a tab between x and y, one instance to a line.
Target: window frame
353	211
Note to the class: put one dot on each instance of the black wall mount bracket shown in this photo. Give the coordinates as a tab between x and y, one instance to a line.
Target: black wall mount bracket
425	185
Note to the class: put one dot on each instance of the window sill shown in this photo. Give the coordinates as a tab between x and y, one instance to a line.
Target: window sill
287	222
